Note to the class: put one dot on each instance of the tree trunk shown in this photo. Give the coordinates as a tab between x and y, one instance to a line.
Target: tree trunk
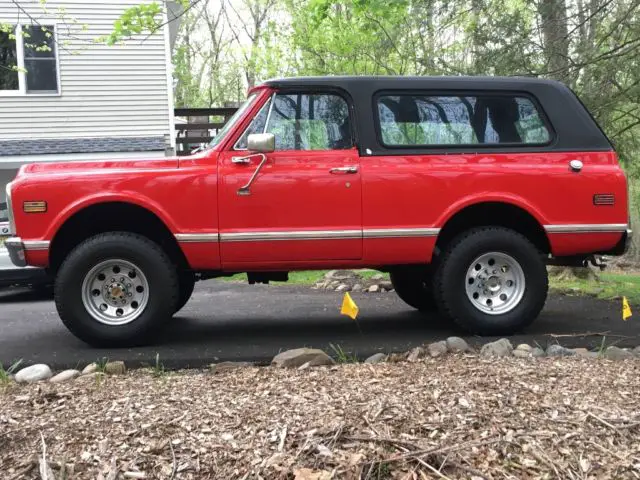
553	18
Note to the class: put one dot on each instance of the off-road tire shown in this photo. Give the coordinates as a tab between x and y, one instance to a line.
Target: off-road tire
151	260
187	282
414	287
450	277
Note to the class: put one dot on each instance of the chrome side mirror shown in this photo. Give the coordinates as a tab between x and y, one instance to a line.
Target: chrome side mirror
261	142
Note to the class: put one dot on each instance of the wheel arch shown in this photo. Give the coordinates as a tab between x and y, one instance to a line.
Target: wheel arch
90	219
496	212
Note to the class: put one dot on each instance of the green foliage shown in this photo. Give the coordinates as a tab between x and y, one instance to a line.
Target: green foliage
342	356
135	20
4	374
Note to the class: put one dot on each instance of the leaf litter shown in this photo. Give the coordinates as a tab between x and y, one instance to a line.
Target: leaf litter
455	417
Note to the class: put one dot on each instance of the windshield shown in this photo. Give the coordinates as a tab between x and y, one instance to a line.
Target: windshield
232	121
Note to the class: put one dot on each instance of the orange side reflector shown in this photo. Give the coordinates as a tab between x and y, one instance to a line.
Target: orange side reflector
34	207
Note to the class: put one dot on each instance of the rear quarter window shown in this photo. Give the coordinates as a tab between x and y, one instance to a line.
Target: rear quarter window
439	120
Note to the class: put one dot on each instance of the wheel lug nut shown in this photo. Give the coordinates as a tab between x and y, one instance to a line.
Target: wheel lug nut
129	294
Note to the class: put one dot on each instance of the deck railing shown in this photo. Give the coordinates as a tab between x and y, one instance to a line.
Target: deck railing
202	124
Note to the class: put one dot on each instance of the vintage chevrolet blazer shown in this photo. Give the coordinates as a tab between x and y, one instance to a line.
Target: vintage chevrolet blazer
463	188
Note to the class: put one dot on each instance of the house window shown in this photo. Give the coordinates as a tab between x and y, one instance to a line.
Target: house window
28	60
8	60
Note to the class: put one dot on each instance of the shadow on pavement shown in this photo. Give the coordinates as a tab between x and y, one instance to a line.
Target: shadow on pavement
26	294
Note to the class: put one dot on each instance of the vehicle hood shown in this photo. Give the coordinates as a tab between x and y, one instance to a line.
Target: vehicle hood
97	166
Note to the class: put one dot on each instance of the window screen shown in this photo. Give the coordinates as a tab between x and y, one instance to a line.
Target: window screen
406	120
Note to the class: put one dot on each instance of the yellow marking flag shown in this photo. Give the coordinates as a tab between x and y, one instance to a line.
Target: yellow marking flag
349	307
626	309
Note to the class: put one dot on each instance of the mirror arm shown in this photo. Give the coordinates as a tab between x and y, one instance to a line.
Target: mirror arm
246	189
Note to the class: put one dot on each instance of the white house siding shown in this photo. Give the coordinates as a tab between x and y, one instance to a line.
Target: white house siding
118	91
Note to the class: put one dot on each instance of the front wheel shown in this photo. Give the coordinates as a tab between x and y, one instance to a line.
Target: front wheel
413	286
187	282
116	290
491	281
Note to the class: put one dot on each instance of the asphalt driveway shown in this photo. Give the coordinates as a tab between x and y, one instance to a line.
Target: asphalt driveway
226	321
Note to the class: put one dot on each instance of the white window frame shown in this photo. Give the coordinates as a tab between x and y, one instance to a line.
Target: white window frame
22	76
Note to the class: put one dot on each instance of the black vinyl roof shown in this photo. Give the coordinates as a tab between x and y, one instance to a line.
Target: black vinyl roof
393	82
572	126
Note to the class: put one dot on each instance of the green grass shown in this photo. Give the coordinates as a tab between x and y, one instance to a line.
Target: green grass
608	286
4	374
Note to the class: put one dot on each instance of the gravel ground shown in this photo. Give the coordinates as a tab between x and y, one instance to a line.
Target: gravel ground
452	417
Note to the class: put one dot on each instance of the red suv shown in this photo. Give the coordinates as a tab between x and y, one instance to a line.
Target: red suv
462	188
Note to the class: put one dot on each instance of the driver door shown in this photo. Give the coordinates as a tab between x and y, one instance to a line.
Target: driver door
305	203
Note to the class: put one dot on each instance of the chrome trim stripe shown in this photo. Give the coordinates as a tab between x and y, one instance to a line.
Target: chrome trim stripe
587	228
307	235
36	244
197	237
290	235
400	232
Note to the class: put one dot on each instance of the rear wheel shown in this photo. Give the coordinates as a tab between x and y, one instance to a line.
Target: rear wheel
491	281
413	286
116	290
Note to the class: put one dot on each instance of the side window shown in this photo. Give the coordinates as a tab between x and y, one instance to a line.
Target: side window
310	122
256	126
406	120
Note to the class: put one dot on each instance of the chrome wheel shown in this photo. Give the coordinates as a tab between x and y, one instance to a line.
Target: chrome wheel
495	283
115	292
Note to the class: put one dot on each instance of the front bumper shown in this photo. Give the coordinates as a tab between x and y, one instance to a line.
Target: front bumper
15	247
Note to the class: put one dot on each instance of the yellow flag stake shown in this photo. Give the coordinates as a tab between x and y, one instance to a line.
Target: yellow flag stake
626	309
350	309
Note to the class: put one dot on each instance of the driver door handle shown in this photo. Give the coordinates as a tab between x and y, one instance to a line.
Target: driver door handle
343	170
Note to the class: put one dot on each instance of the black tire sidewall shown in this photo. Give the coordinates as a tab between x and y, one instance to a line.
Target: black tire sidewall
412	288
452	277
152	262
187	282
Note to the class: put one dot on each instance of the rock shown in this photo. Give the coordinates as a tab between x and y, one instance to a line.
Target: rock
115	368
34	373
92	367
299	356
373	288
64	376
340	275
436	349
457	344
617	353
342	288
521	353
223	367
386	285
396	358
89	377
636	351
376	358
537	352
525	347
559	351
415	354
333	285
357	288
377	277
499	348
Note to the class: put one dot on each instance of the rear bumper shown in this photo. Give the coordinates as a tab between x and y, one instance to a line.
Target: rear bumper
15	247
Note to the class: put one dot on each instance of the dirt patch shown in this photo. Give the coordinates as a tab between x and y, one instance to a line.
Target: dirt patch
464	417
